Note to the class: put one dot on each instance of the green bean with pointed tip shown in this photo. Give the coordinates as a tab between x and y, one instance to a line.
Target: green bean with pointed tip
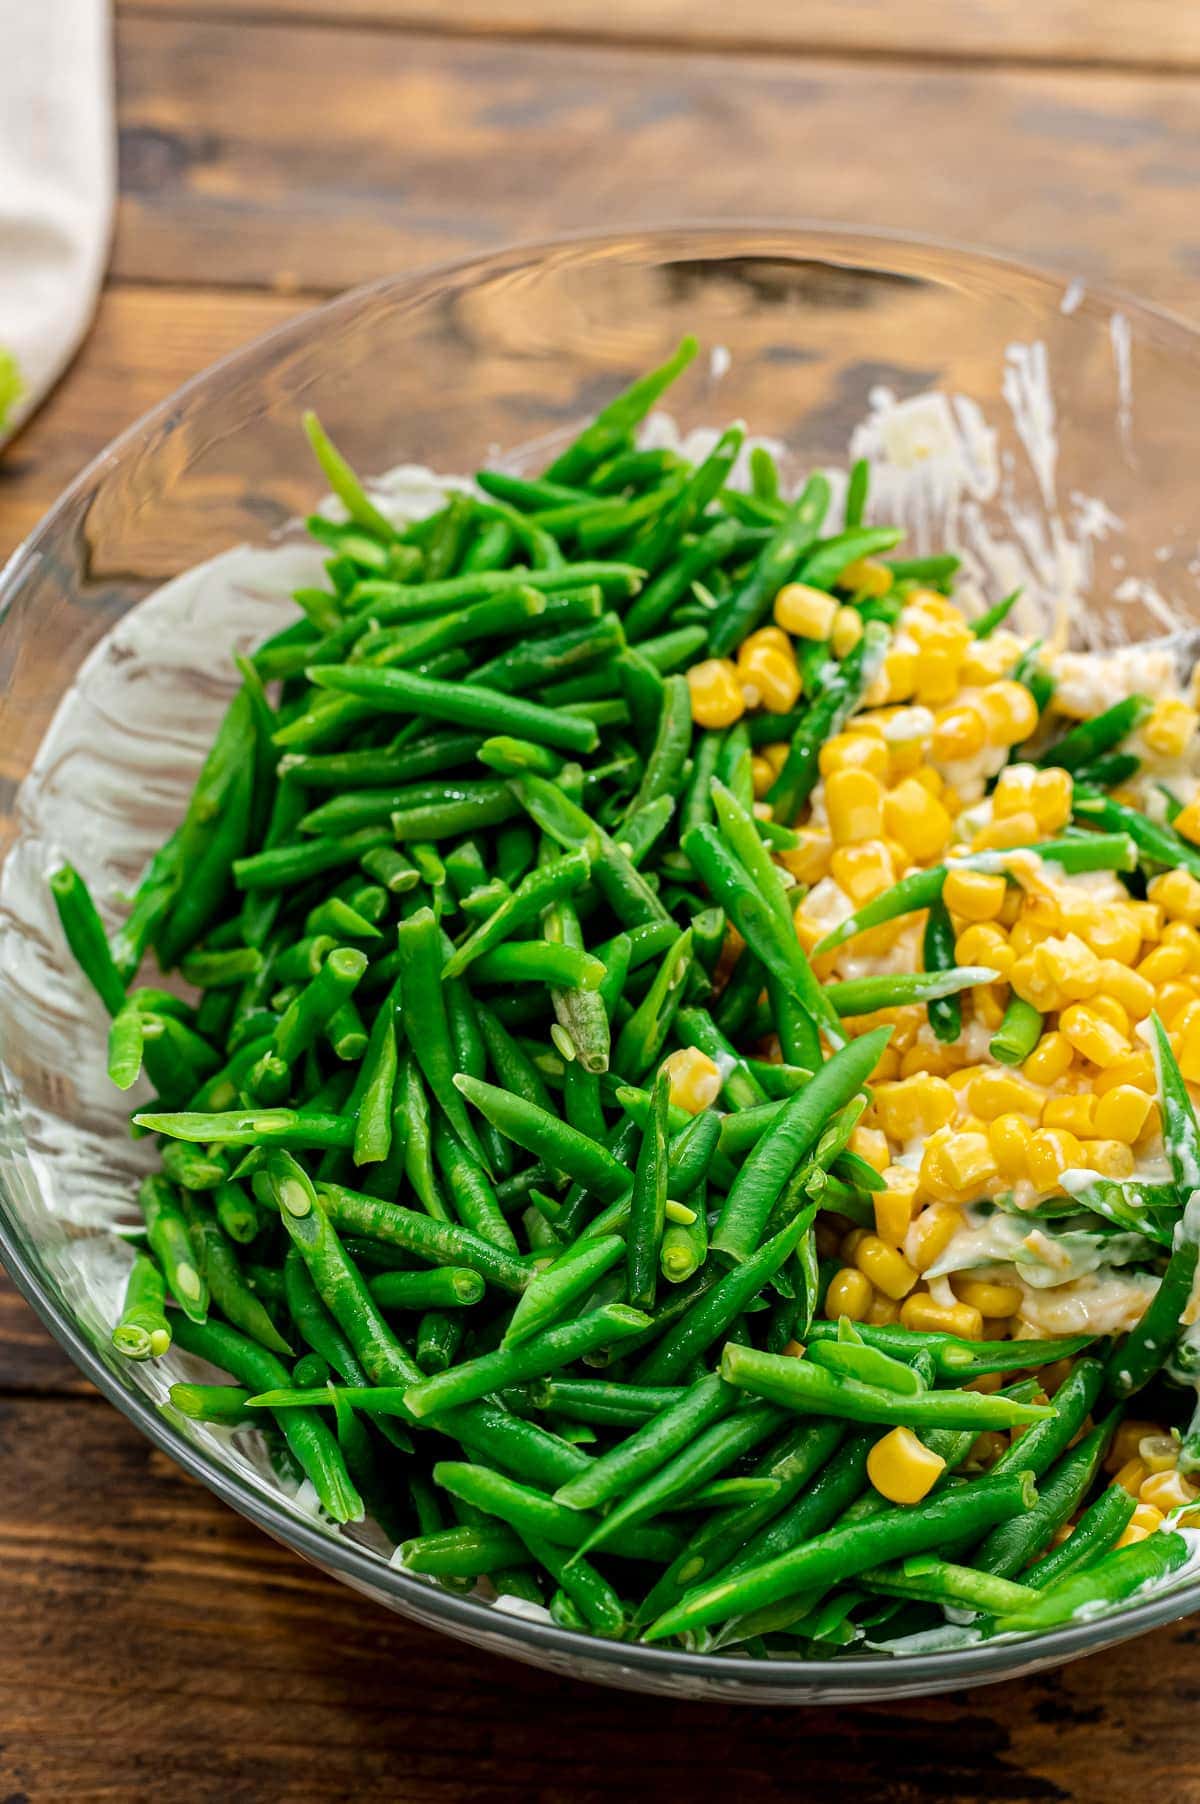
171	1243
143	1330
439	1242
607	432
559	1146
571	1277
86	937
544	1352
531	1511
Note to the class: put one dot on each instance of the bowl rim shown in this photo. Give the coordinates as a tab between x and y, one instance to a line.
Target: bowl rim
755	1679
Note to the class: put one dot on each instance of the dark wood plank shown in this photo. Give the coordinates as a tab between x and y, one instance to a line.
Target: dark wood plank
1105	31
156	1646
297	155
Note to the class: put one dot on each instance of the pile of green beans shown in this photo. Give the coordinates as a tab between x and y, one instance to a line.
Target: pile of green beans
425	1197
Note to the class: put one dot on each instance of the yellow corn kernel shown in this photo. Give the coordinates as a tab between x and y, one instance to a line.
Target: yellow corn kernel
888	1269
1186	1047
1127	987
1177	893
761	775
915	1106
1050	798
956	1165
988	660
958	733
1111	1158
902	1468
1170	727
847	631
1009	711
994	1093
931	1234
1092	1036
695	1081
1179	933
1132	1476
864	870
1131	1534
1121	1113
1050	1059
937	676
850	1242
1009	1137
716	692
775	754
850	1293
1125	1444
854	751
991	1300
987	1384
1172	1002
871	1144
883	1313
1158	1453
925	1316
974	895
1070	965
805	612
854	805
1013	793
986	1450
1137	1069
865	576
1038	921
897	680
1110	932
808	862
1166	1491
1009	830
1163	964
1051	1152
1146	1519
894	1206
1076	1113
934	1060
983	943
772	677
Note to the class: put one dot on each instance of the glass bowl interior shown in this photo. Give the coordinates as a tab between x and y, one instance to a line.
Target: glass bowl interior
1038	428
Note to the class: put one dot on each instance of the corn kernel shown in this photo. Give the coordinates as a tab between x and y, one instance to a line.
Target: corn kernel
1179	933
871	1144
1051	799
775	754
864	870
1137	1069
925	1316
763	637
694	1080
1158	1453
805	612
1009	711
865	576
847	631
1146	1517
1001	834
1013	793
1127	987
854	751
1009	1137
988	660
1170	727
1186	1046
987	1384
958	733
994	1093
931	1234
761	775
1111	933
1163	964
902	1468
773	675
887	1268
985	944
1177	893
956	1166
937	676
1126	1442
1092	1036
1131	1534
974	895
894	1206
716	692
915	1106
883	1313
1051	1152
1167	1491
1132	1476
1111	1158
854	805
1050	1059
1077	1113
898	678
850	1293
808	861
1121	1113
986	1450
991	1300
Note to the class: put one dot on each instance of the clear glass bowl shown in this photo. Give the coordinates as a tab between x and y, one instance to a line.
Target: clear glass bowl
1069	465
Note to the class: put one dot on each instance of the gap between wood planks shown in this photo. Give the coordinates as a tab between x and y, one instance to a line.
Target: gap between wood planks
927	32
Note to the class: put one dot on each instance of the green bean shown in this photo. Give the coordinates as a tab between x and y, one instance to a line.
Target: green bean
1046	1441
531	1511
715	547
376	1087
313	1322
423	1009
637	1457
1011	1545
192	1170
344	483
826	716
540	961
543	1353
228	1289
559	1146
931	1580
468	1551
1091	739
439	1337
793	1131
961	1360
986	623
171	1244
1096	1531
1018	1033
473	1196
562	877
391	868
598	1603
143	1331
312	1445
224	1404
945	1012
464	704
412	1106
236	1213
346	1033
446	1287
318	1002
747	607
850	1355
801	1384
644	1034
212	970
572	1276
281	867
647	1213
85	936
864	995
607	432
440	1242
840	1553
1159	844
1112	1578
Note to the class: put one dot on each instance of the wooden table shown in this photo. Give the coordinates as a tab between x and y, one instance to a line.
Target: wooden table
273	152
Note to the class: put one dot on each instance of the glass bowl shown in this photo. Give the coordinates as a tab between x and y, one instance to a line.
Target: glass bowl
1055	450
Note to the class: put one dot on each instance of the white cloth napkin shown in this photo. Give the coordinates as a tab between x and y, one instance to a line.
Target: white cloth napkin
56	188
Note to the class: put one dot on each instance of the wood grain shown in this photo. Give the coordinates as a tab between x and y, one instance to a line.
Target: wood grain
156	1646
299	156
1082	31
